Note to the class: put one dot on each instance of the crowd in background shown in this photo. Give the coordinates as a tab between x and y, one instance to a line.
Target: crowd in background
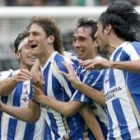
60	2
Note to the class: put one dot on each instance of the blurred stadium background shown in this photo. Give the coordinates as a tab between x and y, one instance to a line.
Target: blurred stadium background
15	16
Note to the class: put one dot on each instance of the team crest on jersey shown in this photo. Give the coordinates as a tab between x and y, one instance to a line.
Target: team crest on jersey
26	92
25	99
25	85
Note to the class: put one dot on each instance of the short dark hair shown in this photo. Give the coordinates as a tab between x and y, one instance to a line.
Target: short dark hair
83	22
19	38
50	28
124	19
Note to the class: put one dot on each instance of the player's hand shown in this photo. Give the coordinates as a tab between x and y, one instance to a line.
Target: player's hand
36	72
38	92
97	63
71	75
23	75
1	105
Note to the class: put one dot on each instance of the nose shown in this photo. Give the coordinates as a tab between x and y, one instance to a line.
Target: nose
76	43
30	38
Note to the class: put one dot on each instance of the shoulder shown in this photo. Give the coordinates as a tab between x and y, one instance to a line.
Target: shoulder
59	60
8	73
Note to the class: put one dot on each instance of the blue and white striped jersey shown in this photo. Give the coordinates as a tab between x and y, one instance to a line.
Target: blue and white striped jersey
58	87
122	93
12	128
93	78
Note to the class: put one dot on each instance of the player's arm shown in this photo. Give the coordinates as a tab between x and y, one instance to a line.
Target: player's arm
101	63
7	85
92	93
91	122
28	114
65	108
133	66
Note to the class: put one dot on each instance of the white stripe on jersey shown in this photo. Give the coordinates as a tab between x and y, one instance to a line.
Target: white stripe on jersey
99	76
131	51
60	78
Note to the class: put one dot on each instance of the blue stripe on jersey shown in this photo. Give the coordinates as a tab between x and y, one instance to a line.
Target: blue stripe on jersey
136	100
77	134
53	125
121	121
117	53
136	46
96	79
58	58
29	131
45	75
4	99
78	96
103	127
124	56
17	94
110	130
47	132
112	81
58	90
11	129
133	82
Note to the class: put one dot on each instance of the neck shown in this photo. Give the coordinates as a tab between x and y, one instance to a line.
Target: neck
23	66
43	59
95	53
114	44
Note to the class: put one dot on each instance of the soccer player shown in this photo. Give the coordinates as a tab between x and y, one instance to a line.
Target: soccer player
117	30
14	90
86	47
44	39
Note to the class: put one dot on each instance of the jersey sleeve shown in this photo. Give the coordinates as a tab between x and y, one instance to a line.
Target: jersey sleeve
130	52
6	74
93	79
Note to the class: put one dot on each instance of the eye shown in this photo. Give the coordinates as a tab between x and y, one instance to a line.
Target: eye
74	39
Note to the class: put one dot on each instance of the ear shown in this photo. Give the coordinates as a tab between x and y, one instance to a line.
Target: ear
51	38
95	43
108	29
18	55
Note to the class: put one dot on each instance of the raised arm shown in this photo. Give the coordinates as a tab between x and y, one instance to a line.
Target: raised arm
132	66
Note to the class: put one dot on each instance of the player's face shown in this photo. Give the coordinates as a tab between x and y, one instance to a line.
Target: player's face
27	60
84	45
102	38
37	40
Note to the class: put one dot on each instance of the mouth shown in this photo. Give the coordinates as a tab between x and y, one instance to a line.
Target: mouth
33	57
33	46
80	51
